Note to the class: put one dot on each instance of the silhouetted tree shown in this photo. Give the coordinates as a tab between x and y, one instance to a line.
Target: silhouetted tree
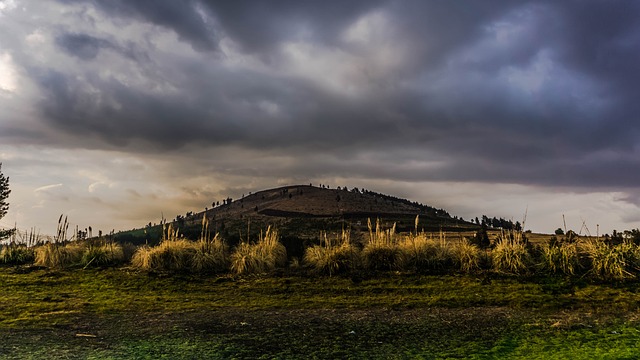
4	205
481	239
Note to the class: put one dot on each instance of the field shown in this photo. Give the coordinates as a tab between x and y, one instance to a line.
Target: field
119	313
369	291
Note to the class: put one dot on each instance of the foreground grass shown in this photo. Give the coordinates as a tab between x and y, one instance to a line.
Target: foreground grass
118	313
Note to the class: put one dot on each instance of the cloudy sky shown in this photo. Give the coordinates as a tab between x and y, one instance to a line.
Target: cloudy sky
116	111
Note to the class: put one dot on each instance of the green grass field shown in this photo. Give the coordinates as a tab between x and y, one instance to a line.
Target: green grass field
122	314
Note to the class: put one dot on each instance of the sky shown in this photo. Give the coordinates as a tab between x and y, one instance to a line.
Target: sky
118	112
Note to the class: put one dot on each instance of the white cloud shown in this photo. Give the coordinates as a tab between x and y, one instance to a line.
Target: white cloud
36	38
47	187
7	5
8	73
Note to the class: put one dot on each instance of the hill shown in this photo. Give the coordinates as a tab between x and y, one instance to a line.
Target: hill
306	201
302	211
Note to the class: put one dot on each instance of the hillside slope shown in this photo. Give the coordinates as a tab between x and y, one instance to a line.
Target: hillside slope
311	201
302	212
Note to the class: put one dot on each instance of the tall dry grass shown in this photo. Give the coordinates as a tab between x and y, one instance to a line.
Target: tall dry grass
467	257
264	256
333	255
59	256
560	258
60	253
177	254
510	254
102	254
170	255
16	254
424	253
611	262
381	252
211	253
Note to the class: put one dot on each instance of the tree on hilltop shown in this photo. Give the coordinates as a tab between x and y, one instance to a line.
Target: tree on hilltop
4	205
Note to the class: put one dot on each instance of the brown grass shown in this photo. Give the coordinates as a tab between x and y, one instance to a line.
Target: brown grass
58	255
264	256
510	254
382	251
333	256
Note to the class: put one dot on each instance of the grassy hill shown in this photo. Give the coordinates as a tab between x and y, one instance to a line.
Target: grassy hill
301	212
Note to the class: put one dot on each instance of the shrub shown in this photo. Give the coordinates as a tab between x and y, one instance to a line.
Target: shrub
333	256
15	254
128	249
264	256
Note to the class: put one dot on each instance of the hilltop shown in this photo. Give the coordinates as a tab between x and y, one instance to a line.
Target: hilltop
302	212
306	201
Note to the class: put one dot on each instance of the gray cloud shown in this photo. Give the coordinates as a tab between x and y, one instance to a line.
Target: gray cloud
83	46
527	92
87	47
183	17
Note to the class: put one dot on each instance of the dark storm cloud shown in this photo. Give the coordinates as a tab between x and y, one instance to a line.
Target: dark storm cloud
87	47
212	115
83	46
260	26
182	17
532	92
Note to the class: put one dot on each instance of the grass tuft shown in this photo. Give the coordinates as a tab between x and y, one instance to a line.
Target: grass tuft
560	258
466	256
423	253
264	256
610	262
16	254
333	256
101	255
170	255
510	254
382	251
59	256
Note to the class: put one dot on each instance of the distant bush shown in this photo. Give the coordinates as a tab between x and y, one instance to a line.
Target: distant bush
264	256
